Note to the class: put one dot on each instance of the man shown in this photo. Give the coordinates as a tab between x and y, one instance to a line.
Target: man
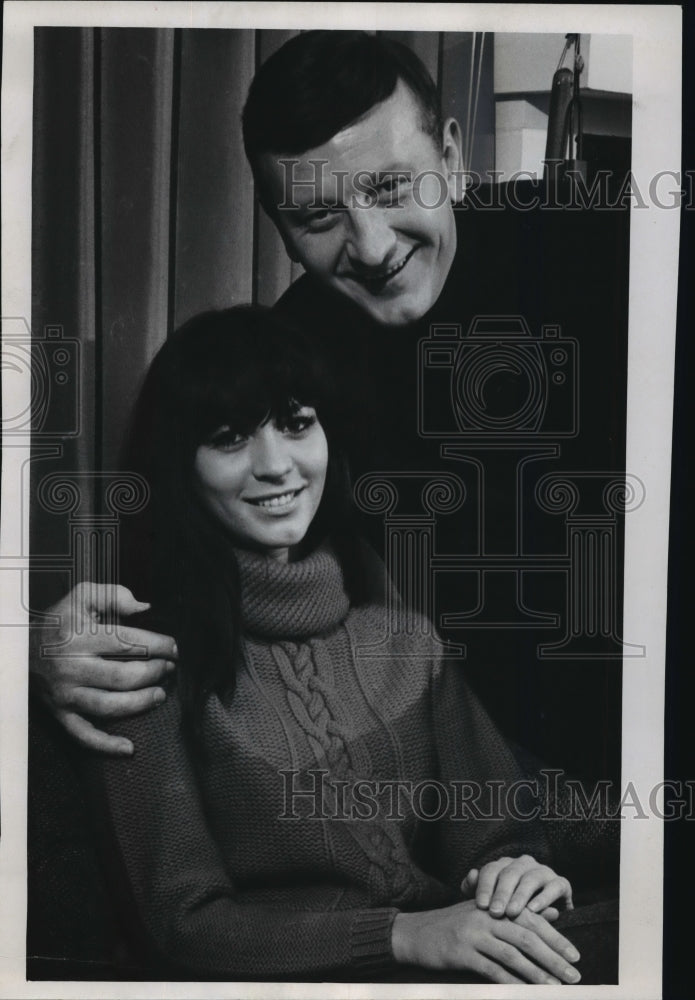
359	173
359	176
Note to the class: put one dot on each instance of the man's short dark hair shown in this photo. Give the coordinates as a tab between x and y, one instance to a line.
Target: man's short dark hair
321	81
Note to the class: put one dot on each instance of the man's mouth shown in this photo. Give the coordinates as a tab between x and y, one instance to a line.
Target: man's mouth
375	282
275	501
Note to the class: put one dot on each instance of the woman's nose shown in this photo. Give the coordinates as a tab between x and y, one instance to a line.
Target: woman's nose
272	457
371	241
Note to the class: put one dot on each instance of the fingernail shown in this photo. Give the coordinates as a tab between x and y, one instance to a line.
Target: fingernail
158	696
483	900
551	981
533	905
175	650
572	975
170	666
126	747
497	909
572	955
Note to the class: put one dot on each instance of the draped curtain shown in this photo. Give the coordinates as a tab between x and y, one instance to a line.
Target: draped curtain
144	210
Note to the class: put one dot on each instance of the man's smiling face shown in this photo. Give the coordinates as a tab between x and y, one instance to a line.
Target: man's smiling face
384	242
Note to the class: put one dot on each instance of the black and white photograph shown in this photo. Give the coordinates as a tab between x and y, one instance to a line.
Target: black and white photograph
335	497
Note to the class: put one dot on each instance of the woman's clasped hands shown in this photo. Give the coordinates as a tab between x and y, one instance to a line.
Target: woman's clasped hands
507	886
502	932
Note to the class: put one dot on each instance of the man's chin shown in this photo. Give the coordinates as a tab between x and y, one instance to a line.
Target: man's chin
395	310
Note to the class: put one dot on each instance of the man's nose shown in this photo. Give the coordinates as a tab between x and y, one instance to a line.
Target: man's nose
272	457
371	241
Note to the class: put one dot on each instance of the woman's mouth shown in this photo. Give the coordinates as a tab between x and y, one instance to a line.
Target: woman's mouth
275	501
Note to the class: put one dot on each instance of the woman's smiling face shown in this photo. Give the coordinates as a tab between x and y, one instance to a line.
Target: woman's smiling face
265	486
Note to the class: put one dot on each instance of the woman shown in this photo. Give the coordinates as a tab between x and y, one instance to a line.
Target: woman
281	817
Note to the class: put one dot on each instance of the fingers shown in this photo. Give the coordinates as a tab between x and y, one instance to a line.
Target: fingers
127	675
495	973
506	880
557	888
550	913
487	880
108	598
507	886
542	880
155	645
526	951
94	739
111	641
80	617
547	934
70	673
114	705
469	883
510	955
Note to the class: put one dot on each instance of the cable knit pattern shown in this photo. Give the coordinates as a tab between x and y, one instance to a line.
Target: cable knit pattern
309	697
253	862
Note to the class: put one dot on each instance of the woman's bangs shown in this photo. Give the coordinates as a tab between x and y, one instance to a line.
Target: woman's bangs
243	397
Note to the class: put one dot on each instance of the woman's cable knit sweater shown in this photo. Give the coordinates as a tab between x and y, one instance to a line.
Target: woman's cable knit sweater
269	858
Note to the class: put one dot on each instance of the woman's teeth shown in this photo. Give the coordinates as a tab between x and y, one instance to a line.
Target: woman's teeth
278	501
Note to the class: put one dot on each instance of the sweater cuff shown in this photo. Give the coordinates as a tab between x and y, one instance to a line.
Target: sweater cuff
370	941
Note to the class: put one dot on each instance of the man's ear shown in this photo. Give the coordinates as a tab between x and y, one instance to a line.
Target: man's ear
266	188
274	217
289	248
452	155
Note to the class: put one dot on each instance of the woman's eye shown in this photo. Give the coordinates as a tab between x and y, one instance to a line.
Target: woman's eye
300	422
226	438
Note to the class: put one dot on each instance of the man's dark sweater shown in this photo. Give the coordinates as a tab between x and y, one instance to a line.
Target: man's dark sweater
551	266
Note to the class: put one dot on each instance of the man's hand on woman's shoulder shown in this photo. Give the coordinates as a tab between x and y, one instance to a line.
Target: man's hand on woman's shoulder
87	667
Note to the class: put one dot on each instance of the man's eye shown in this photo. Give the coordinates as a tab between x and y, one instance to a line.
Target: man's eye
322	218
392	186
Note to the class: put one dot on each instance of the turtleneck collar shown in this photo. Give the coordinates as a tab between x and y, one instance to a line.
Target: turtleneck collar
292	600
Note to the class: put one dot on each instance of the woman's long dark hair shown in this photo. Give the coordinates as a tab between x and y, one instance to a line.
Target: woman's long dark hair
233	367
